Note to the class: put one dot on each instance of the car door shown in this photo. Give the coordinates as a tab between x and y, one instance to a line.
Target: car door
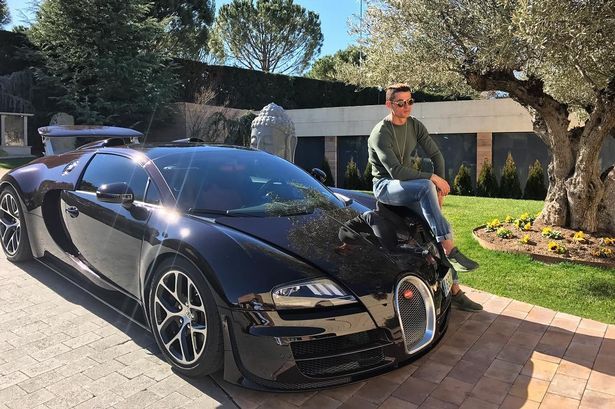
109	236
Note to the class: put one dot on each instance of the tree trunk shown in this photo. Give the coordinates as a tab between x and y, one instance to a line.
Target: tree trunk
577	196
606	209
585	189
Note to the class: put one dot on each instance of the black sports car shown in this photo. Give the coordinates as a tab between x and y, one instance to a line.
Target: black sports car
233	258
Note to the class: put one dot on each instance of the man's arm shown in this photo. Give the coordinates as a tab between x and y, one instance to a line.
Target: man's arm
431	149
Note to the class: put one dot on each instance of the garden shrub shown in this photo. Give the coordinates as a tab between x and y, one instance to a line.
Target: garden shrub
327	169
535	187
487	185
352	179
510	186
367	177
462	185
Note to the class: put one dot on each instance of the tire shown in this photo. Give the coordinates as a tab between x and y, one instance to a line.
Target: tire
187	329
13	230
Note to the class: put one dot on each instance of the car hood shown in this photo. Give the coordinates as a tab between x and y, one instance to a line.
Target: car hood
365	268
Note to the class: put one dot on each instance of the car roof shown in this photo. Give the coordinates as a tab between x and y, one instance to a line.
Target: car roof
157	150
58	131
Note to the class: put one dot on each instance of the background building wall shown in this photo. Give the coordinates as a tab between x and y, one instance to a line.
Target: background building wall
468	132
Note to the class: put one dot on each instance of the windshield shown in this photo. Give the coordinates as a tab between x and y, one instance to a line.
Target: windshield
242	182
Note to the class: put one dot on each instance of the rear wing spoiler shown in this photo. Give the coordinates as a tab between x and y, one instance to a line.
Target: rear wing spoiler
58	139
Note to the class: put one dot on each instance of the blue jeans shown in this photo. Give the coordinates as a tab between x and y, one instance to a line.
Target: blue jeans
420	196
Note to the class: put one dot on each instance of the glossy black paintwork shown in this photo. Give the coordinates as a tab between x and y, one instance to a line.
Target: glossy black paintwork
243	258
108	236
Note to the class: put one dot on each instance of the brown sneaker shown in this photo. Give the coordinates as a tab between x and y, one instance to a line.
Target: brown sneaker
462	302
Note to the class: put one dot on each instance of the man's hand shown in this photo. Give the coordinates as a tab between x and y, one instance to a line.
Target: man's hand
440	198
441	184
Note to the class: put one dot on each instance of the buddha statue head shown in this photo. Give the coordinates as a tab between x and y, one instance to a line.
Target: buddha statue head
273	131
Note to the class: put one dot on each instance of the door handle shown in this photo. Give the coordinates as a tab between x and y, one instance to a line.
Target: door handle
72	211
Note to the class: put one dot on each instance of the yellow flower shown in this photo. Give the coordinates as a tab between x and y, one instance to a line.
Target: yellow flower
607	241
601	252
525	239
493	225
556	248
525	216
579	237
508	219
527	226
546	231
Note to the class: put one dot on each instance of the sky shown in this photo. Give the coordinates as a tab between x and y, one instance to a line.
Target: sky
334	18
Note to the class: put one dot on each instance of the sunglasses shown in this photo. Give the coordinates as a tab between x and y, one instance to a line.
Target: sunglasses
401	102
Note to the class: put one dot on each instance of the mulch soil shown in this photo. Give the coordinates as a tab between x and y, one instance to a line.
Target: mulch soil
538	246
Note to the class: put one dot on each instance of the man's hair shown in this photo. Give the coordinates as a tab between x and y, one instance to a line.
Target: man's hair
395	88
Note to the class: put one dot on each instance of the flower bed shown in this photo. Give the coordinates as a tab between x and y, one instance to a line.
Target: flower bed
546	243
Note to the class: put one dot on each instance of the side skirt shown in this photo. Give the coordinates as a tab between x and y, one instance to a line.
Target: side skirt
117	300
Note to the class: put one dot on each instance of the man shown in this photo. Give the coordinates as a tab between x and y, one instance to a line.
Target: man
396	182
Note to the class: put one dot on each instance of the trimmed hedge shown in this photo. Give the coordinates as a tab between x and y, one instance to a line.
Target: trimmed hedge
367	177
510	187
249	89
487	184
462	185
327	169
535	187
352	178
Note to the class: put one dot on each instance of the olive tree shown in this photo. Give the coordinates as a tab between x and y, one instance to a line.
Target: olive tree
267	35
325	68
5	16
554	57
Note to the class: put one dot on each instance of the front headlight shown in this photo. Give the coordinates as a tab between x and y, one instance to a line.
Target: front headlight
314	293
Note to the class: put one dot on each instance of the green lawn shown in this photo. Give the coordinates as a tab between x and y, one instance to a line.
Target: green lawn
10	163
576	289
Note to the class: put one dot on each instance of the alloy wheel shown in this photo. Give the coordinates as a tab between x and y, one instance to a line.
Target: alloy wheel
180	318
10	225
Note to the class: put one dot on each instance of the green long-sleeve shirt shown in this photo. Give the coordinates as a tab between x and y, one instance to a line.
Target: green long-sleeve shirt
388	144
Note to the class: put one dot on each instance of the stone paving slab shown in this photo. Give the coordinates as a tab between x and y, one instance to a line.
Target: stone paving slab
60	348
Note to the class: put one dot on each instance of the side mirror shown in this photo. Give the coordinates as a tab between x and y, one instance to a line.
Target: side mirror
319	174
118	192
347	200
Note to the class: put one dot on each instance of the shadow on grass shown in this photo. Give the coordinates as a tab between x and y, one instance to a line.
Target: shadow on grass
601	288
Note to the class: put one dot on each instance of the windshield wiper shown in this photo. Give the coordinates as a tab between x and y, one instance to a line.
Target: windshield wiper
228	213
210	211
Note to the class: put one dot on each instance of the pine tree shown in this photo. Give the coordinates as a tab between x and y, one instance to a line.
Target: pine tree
462	185
327	169
352	180
535	187
509	183
487	184
104	54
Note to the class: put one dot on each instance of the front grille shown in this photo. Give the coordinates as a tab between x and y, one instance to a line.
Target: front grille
342	364
336	356
415	310
336	345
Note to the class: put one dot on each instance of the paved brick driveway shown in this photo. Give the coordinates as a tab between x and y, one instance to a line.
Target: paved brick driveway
60	348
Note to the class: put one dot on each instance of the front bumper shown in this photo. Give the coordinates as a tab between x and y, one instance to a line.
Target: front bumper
272	350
